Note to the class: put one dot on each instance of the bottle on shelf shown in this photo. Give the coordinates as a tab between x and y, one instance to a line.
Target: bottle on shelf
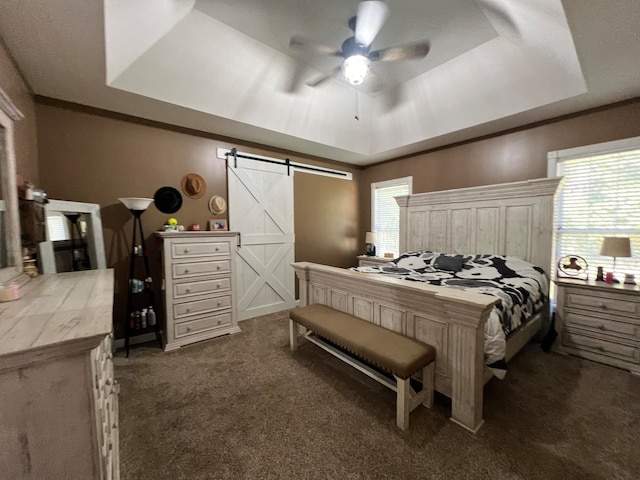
143	318
151	316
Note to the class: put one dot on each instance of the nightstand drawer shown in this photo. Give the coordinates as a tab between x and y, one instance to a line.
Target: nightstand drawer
603	347
201	306
593	303
185	290
603	325
185	250
196	326
185	270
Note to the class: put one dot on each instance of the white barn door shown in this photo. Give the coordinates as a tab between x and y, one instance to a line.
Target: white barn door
261	209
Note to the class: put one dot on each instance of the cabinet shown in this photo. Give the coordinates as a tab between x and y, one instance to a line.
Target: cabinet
600	322
59	402
198	286
371	261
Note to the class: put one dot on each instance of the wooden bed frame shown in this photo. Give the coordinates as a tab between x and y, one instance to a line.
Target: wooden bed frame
506	219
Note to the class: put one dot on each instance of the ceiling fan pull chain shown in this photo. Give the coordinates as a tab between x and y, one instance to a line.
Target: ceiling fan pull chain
357	105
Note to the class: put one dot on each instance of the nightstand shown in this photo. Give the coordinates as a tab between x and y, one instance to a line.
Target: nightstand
600	322
367	261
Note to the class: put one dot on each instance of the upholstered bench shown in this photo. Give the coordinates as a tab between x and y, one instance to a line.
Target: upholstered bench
394	353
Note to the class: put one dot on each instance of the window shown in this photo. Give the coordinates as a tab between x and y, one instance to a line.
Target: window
600	197
385	213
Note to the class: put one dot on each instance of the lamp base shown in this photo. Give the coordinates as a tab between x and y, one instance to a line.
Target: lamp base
370	250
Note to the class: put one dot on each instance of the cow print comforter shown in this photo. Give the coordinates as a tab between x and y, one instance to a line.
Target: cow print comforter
522	288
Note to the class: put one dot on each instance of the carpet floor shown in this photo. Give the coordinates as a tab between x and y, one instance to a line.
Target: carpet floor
246	407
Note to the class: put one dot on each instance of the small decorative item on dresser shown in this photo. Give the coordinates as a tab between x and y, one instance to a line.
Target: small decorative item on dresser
628	279
219	225
573	266
194	227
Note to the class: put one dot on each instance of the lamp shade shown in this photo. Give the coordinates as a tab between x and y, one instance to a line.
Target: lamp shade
616	247
136	203
370	237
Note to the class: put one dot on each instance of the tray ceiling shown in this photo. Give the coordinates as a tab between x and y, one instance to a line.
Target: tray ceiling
225	67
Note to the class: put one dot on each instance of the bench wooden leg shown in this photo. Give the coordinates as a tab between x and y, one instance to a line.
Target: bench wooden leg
403	402
293	335
428	384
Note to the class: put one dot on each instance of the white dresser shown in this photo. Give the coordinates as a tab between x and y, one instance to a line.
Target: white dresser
599	321
58	395
198	285
372	261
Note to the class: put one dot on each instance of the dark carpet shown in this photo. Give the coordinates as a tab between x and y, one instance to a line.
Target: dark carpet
246	407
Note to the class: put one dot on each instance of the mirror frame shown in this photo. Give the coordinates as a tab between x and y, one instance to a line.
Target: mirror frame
9	114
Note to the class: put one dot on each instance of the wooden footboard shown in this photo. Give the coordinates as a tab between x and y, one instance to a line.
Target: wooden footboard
451	320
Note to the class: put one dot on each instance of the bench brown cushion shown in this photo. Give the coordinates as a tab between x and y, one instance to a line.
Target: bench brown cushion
395	353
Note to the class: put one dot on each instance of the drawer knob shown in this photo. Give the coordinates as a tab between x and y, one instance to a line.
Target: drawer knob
219	321
186	270
189	329
217	267
602	305
217	285
186	250
217	249
602	327
600	348
219	303
188	309
188	289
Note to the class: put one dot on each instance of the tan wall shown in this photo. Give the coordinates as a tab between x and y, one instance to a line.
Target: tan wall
25	130
509	157
90	156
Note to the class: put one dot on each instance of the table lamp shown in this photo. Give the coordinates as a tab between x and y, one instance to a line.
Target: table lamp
616	247
370	240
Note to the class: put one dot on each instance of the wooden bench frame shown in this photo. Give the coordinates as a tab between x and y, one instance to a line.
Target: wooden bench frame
407	399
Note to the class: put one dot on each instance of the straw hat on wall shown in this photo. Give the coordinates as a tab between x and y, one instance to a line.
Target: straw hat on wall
193	185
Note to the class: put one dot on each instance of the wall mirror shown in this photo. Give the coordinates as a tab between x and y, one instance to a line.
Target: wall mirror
10	252
75	241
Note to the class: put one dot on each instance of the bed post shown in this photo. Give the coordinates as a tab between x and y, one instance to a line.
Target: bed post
467	361
403	203
302	272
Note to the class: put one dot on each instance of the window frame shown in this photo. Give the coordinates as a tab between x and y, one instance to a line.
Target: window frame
386	184
558	156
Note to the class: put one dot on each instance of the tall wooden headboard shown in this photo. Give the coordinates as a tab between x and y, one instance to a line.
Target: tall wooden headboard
506	219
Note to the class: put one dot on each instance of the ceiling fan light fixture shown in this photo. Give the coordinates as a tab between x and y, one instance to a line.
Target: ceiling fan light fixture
355	69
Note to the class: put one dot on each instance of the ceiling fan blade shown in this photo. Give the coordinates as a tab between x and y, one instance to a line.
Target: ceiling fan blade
502	17
401	52
371	17
308	46
324	78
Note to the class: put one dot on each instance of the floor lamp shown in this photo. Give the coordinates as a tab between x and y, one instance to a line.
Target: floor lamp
137	207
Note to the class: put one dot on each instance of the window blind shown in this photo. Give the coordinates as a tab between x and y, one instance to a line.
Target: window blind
386	214
601	197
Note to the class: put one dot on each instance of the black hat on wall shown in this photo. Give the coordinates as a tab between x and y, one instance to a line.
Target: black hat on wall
167	200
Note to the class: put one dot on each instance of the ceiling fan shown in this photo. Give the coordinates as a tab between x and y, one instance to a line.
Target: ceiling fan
356	50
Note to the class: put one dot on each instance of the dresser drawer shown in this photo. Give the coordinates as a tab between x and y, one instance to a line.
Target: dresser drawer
195	249
202	324
185	290
603	347
612	303
603	325
186	270
201	306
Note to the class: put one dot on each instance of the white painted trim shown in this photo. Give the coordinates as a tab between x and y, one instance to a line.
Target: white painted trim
595	149
222	154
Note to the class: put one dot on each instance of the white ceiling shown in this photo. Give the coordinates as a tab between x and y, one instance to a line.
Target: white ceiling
225	67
